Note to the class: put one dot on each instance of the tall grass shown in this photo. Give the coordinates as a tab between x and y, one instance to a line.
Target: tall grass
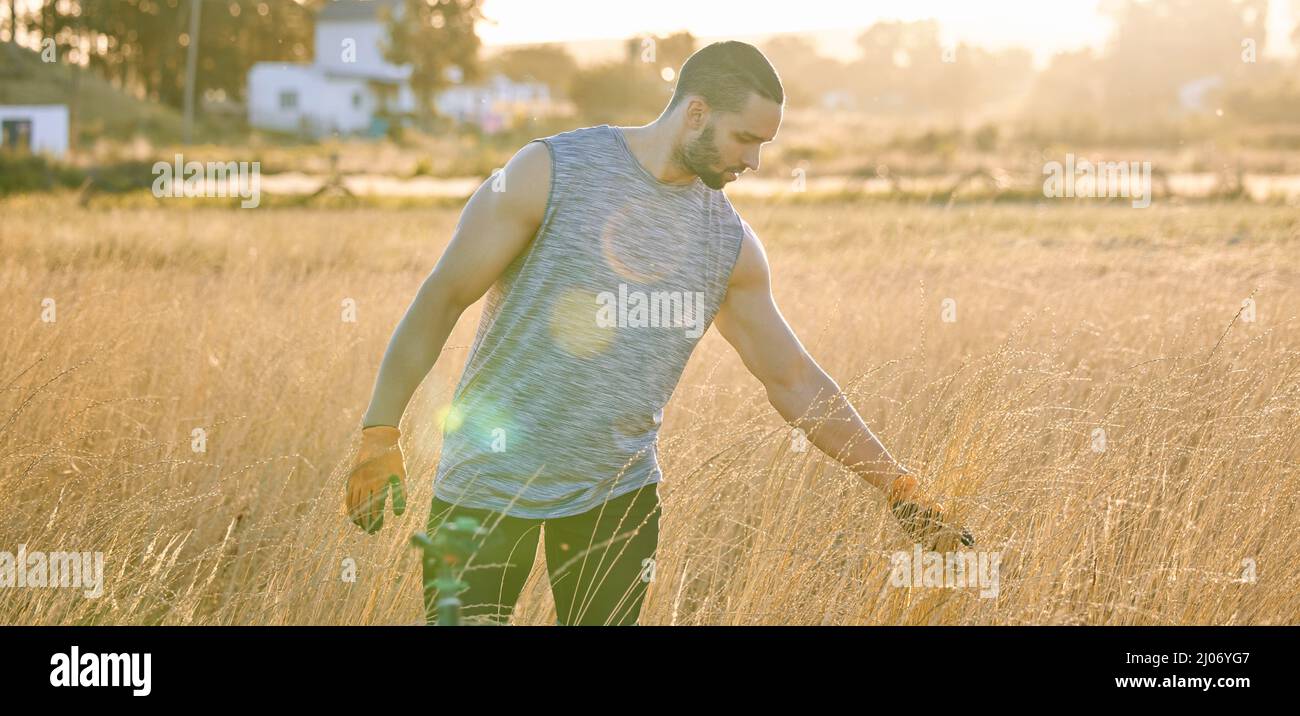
1069	318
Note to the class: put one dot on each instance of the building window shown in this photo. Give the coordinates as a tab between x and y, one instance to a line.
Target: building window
16	135
288	99
356	100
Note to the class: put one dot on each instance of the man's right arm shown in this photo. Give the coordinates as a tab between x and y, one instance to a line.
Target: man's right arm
494	227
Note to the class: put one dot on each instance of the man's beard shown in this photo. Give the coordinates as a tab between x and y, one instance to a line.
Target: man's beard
700	155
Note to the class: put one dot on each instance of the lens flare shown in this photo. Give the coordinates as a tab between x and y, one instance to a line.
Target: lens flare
574	325
630	257
449	418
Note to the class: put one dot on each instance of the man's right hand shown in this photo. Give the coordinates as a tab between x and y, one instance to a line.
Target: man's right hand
378	468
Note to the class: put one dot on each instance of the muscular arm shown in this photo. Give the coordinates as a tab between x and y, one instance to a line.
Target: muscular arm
494	227
796	386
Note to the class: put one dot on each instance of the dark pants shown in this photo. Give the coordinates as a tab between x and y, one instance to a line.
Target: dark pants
600	562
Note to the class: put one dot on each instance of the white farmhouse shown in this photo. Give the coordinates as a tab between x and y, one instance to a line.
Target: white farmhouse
495	103
349	83
345	87
36	128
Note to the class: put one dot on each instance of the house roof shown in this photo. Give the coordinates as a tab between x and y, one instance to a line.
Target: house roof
345	10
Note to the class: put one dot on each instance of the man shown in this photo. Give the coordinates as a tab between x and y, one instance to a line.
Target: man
604	252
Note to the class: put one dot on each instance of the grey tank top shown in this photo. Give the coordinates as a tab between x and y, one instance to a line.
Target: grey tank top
584	336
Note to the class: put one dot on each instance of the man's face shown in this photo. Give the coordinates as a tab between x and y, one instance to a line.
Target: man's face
729	142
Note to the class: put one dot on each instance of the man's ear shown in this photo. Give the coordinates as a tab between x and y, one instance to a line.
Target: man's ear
697	113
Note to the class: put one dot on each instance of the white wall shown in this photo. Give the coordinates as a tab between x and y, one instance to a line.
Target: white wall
370	61
49	126
325	104
466	102
326	87
265	83
345	104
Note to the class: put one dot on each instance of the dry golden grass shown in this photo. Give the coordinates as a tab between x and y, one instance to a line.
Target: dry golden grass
1069	318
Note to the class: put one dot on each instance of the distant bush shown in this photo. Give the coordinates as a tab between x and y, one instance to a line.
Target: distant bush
23	172
123	176
619	92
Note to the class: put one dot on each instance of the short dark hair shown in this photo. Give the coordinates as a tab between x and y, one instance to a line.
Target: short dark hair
725	74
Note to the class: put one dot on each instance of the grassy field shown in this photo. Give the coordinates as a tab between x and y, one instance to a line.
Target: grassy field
1069	318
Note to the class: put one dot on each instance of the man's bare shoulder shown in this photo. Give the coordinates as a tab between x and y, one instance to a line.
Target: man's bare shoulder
751	265
524	186
533	160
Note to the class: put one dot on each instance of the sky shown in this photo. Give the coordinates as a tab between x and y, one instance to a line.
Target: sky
1042	26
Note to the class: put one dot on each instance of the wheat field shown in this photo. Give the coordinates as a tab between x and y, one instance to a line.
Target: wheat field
1109	397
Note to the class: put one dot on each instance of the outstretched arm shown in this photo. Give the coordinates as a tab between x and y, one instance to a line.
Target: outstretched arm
809	399
796	386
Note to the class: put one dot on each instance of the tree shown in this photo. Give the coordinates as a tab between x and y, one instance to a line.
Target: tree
898	59
805	74
13	22
1159	45
629	89
141	46
433	37
618	92
551	65
906	68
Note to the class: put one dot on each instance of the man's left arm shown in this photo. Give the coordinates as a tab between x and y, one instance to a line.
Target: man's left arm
810	399
796	385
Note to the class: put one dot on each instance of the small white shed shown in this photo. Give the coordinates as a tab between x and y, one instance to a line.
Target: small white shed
38	128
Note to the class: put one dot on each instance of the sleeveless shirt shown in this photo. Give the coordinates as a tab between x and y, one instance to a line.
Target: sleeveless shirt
584	336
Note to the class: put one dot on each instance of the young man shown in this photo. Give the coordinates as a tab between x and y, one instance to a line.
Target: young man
605	252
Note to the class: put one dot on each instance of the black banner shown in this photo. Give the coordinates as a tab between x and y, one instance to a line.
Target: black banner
336	665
